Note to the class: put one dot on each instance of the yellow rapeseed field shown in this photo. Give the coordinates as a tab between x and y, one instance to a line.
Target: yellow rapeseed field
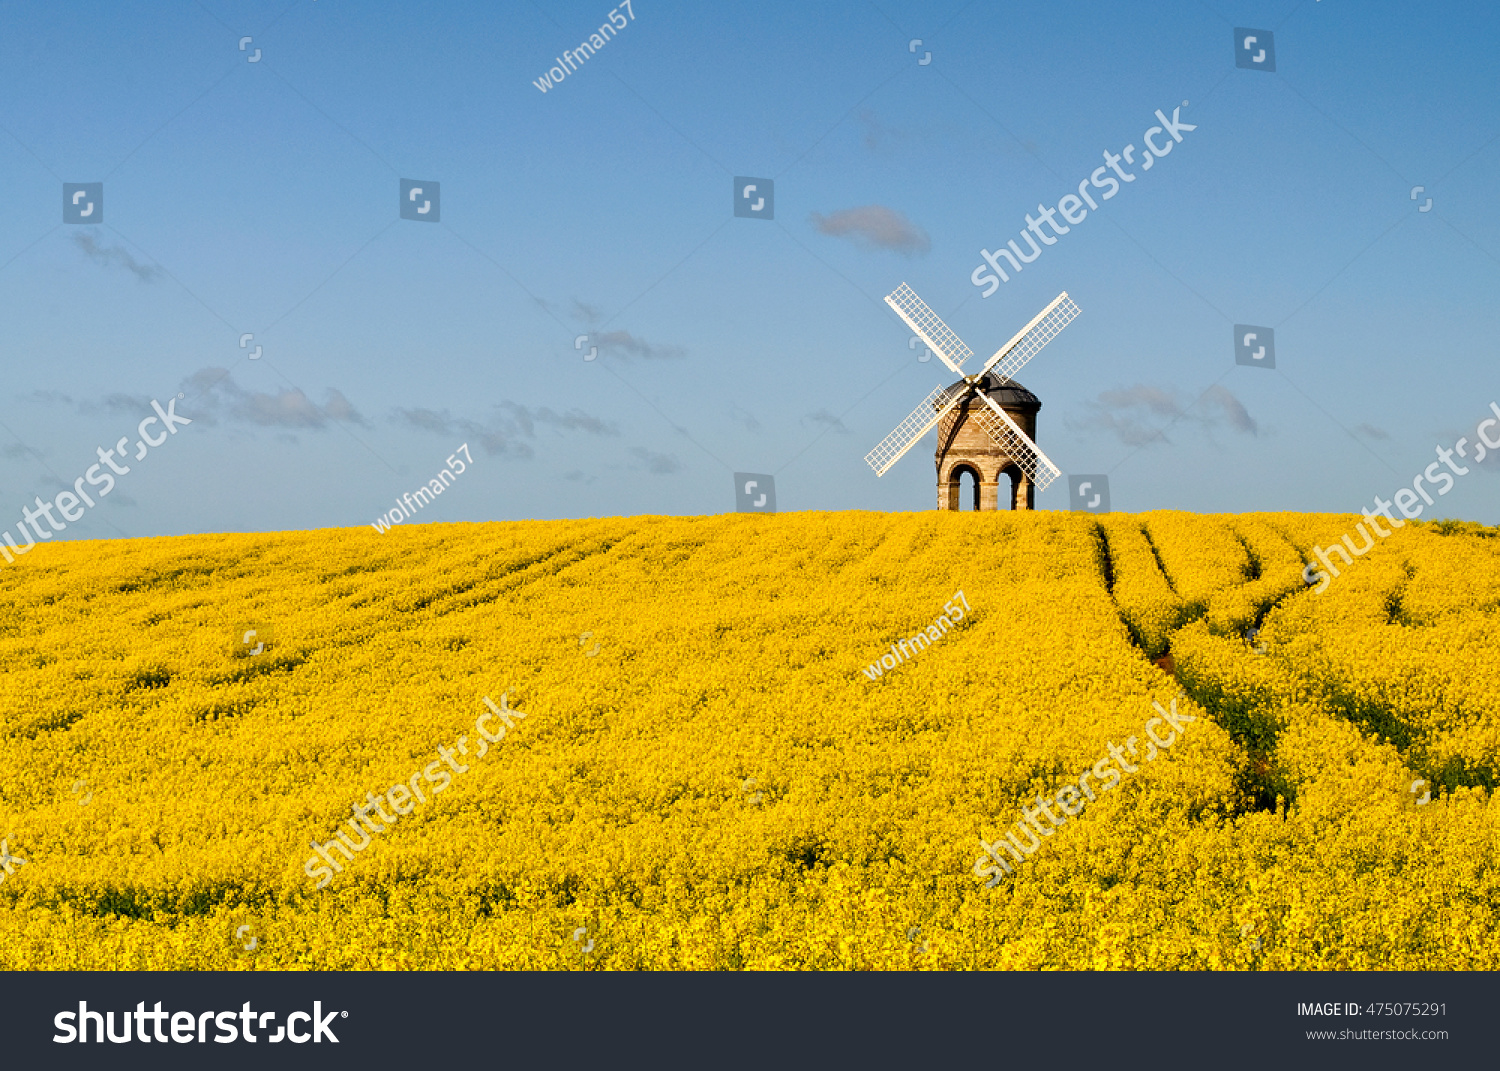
652	743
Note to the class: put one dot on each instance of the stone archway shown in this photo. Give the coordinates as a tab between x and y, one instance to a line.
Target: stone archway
950	489
1022	492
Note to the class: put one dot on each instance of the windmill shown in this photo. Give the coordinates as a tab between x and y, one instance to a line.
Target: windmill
1015	446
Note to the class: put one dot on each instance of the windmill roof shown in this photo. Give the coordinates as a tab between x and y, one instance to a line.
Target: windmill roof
1006	392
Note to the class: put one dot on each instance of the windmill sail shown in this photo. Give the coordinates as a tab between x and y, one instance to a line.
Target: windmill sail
929	327
1030	339
996	422
923	419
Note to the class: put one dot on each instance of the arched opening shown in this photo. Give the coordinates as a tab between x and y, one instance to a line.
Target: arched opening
966	480
1020	495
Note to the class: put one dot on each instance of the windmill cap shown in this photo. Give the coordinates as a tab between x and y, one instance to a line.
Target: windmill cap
1007	393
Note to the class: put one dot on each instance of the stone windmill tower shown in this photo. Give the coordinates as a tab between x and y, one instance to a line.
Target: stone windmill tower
986	422
965	446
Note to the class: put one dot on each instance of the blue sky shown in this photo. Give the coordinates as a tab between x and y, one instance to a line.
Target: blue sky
261	198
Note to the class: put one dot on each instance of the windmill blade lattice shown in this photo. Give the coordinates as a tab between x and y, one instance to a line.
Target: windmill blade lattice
1009	358
923	419
996	422
929	327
